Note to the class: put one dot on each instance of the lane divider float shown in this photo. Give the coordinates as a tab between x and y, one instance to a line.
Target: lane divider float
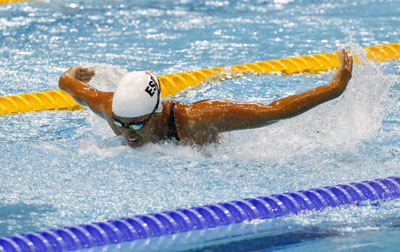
202	218
12	1
174	83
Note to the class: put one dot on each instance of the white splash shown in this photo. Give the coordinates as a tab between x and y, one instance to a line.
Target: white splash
341	123
107	76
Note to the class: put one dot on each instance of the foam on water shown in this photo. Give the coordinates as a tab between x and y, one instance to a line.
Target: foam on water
344	123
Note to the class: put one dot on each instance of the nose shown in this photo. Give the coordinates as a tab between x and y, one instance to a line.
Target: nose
130	133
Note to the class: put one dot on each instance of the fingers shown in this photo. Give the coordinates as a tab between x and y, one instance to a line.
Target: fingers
84	74
85	70
346	61
81	73
342	56
350	68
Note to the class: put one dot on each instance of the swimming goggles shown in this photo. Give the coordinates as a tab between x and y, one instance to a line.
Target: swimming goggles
132	125
137	125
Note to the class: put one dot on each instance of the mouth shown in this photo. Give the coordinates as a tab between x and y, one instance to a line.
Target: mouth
134	142
132	139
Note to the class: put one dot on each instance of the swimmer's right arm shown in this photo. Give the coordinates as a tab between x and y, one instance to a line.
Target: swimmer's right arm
74	82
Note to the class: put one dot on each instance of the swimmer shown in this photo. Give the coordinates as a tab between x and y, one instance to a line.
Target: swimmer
135	110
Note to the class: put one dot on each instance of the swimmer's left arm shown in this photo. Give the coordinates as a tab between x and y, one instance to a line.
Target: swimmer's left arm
220	116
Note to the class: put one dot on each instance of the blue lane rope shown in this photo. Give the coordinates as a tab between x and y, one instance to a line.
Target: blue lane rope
197	218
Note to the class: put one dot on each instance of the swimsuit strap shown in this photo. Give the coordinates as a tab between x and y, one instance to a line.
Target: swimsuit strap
172	133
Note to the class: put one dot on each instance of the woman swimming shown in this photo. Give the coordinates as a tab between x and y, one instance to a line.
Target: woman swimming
136	111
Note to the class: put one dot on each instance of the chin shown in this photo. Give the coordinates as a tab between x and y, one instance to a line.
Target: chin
136	144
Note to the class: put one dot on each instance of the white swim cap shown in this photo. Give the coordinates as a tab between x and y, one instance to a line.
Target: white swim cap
137	94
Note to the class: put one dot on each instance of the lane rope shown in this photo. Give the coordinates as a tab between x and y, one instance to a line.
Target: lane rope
202	218
12	1
174	83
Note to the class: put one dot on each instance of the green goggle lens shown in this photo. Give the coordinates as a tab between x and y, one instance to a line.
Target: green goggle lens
136	126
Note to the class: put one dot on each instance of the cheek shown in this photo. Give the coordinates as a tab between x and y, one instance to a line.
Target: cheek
148	132
144	133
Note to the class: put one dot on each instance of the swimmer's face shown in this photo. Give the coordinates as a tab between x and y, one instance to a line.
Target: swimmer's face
136	130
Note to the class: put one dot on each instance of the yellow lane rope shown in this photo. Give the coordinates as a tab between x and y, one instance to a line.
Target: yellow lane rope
12	1
173	83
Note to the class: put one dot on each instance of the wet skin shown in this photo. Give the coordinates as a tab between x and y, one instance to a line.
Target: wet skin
201	122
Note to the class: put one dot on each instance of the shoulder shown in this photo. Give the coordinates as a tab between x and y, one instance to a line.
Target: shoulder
177	106
106	99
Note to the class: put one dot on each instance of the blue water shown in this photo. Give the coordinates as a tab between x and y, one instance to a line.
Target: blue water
63	168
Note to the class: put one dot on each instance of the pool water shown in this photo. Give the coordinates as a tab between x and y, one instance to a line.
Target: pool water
63	168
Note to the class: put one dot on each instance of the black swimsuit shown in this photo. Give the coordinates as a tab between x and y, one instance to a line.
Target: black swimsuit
172	133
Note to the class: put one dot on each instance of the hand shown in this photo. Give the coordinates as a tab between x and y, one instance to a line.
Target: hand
81	73
343	73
